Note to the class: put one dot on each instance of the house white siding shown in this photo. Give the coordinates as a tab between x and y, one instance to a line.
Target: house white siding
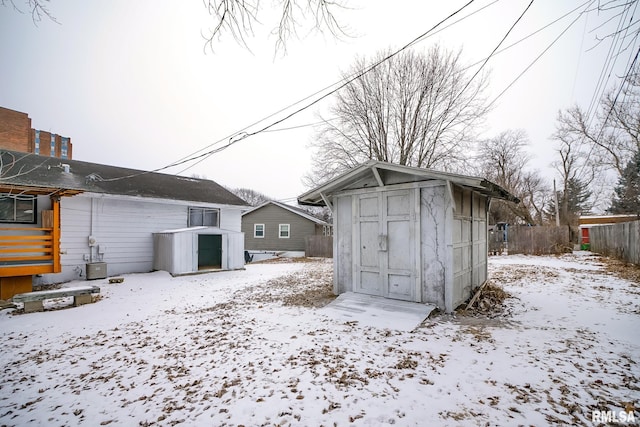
231	219
123	232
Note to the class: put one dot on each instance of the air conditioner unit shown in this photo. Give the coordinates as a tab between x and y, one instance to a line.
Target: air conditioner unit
96	270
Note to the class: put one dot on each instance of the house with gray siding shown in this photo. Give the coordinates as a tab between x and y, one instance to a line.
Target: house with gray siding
109	215
278	227
408	233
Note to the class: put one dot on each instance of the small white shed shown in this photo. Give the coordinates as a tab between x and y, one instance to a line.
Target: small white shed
189	250
408	233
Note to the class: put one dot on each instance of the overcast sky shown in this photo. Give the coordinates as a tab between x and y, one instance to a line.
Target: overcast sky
132	84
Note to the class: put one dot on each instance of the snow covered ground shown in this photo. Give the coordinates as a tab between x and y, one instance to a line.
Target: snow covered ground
255	348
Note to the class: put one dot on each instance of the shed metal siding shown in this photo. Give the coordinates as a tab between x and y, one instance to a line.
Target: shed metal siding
480	240
343	245
469	244
234	256
177	251
450	236
272	216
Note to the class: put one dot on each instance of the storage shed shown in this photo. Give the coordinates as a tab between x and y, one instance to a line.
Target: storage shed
189	250
408	233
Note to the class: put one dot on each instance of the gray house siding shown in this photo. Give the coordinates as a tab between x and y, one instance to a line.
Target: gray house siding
272	216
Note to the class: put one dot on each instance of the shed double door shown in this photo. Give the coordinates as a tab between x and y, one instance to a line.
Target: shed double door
384	244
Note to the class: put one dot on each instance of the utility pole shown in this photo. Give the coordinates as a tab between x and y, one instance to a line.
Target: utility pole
557	207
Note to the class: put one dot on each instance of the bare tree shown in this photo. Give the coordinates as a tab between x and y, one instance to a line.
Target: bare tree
414	109
252	197
503	160
536	194
605	143
37	8
627	31
238	18
576	169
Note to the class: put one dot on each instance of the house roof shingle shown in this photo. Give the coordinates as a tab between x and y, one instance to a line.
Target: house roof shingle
39	174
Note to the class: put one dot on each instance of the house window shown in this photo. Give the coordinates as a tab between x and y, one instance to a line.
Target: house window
64	147
258	231
204	217
36	149
284	231
17	209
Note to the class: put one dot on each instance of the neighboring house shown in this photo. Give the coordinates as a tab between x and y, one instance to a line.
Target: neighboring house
408	233
65	219
587	222
277	227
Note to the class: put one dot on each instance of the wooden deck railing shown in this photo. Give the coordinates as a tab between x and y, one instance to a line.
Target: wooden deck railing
25	251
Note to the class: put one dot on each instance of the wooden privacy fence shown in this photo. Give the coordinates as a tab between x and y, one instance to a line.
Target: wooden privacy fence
318	246
620	241
539	240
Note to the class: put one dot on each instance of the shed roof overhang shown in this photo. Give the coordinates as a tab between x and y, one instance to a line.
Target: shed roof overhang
379	174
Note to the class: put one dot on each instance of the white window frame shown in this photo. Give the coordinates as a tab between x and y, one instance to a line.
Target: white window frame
288	227
203	211
255	231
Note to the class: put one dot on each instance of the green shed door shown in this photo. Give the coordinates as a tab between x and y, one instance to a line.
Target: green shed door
209	251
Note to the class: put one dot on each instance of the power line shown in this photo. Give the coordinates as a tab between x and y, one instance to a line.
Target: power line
534	61
239	136
613	104
599	91
605	73
533	33
417	40
493	51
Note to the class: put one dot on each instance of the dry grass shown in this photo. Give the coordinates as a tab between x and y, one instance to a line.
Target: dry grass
490	302
621	269
310	287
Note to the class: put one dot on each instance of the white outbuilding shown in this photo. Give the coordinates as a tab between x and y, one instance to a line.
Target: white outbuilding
196	249
408	233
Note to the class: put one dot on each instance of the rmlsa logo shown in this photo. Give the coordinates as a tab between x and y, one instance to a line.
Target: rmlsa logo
624	416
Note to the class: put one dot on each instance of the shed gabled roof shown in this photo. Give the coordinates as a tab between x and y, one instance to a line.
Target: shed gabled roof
291	209
25	172
378	174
